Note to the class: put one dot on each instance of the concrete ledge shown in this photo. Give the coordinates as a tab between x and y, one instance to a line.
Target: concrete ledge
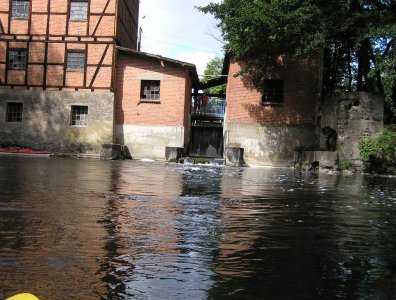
234	156
325	159
172	154
114	152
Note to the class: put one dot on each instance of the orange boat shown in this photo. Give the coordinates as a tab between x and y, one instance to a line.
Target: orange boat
24	152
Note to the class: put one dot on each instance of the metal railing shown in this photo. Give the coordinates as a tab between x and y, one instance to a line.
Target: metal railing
215	107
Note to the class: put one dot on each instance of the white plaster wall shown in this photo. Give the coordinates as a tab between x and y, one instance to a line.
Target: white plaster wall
145	141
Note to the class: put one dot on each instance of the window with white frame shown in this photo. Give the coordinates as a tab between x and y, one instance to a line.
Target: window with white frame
150	90
272	91
78	10
20	9
75	61
17	59
14	112
79	115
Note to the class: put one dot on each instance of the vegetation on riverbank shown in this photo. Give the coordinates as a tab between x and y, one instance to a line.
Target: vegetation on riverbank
379	153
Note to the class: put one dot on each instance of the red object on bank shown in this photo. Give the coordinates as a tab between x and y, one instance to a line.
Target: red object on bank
24	152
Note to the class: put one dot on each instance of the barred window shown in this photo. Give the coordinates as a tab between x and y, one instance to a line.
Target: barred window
75	61
272	91
14	112
150	90
17	59
20	9
78	10
79	115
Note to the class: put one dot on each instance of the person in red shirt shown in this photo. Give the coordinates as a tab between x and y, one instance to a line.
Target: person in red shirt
205	100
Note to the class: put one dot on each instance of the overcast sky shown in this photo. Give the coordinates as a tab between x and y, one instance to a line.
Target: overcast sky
176	29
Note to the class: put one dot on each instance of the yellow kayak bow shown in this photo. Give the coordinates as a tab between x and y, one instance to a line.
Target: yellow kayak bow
24	296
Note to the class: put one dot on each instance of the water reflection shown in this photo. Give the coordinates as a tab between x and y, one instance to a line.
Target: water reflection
166	233
50	241
132	230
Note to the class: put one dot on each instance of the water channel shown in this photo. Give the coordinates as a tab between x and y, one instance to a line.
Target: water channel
87	229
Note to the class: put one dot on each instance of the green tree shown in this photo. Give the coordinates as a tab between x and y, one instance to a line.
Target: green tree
213	70
357	37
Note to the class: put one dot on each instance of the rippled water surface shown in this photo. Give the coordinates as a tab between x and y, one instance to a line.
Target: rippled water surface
82	229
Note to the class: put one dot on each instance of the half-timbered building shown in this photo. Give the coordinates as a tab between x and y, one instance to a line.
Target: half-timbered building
57	70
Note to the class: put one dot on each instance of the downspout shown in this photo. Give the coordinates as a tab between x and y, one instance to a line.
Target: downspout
114	74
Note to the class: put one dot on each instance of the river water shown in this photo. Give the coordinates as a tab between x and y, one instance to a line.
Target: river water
87	229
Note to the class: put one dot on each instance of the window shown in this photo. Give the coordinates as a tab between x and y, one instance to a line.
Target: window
150	90
20	9
17	59
78	10
272	91
75	61
14	112
79	115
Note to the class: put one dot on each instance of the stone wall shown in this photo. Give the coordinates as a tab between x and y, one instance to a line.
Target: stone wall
354	116
46	122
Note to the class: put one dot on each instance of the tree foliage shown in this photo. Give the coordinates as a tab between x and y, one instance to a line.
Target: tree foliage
213	70
356	37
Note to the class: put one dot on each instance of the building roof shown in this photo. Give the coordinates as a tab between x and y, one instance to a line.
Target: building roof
191	67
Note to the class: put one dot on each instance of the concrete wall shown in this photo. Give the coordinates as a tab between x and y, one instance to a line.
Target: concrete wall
354	116
270	145
149	141
46	121
269	134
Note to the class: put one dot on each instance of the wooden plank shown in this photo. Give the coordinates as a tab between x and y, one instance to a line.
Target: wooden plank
88	17
46	45
100	18
85	65
9	16
2	28
7	62
98	67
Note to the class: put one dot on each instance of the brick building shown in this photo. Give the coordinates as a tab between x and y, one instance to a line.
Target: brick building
153	99
271	124
57	70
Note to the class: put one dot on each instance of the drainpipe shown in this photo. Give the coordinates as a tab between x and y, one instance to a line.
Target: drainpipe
114	74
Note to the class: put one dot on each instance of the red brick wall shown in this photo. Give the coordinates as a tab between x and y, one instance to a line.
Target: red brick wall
169	111
301	93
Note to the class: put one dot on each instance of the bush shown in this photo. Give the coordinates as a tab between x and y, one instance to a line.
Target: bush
378	153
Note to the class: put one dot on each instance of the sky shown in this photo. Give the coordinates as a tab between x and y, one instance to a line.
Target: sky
177	30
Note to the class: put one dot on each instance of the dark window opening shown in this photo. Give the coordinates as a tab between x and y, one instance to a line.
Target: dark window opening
14	112
150	90
272	91
75	61
78	10
17	59
79	115
20	9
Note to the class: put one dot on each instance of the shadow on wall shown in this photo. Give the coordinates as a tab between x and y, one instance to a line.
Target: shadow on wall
271	116
119	100
300	93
